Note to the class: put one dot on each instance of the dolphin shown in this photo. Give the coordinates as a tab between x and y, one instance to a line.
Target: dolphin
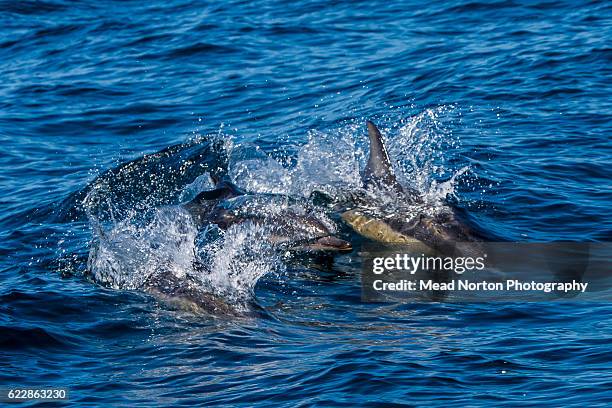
409	221
292	223
185	294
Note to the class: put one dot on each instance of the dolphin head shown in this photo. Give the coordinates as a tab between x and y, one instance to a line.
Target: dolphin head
307	232
293	225
291	222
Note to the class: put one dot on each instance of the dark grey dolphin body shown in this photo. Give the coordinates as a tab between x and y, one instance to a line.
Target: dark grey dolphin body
411	221
290	222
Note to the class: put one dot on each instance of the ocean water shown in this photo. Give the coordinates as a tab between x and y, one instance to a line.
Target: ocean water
113	113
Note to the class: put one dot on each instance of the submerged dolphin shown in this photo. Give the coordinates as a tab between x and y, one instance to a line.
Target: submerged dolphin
411	221
185	294
290	222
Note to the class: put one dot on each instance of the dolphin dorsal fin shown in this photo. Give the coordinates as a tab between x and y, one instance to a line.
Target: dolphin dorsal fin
224	190
378	170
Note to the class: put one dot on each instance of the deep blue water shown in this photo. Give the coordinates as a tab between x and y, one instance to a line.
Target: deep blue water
513	97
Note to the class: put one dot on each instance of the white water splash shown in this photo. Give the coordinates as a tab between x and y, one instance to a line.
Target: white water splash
420	150
326	162
125	255
228	264
236	260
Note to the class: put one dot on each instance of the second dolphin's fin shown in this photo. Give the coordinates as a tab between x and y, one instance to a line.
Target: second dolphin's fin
201	207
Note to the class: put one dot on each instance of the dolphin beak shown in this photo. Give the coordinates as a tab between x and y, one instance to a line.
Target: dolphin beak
329	243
